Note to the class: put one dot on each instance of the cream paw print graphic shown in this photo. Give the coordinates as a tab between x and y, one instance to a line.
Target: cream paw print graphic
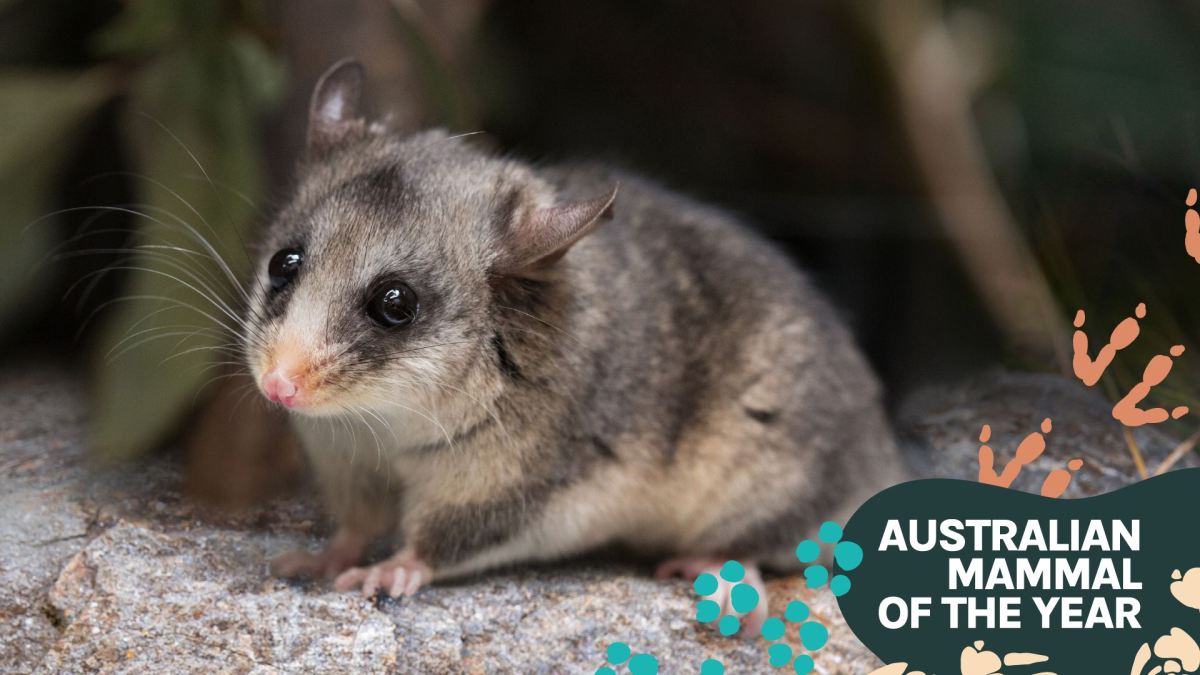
1186	587
975	660
1177	651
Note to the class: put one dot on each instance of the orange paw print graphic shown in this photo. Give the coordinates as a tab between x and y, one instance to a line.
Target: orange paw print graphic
1089	370
1191	226
1028	451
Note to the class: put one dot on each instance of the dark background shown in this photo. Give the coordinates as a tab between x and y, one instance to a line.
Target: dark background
959	176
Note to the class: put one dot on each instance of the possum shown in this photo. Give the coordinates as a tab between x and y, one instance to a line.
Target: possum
490	362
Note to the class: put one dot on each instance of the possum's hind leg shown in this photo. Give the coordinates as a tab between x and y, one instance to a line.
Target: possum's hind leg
691	567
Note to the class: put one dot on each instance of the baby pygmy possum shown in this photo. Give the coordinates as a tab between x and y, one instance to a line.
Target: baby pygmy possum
491	363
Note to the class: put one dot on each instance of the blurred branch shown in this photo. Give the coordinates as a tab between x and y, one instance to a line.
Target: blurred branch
935	101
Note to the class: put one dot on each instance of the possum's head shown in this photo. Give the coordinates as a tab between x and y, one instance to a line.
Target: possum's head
377	282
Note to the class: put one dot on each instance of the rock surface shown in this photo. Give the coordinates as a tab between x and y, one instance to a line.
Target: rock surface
116	571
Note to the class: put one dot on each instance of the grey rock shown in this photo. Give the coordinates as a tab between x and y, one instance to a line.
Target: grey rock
114	570
942	427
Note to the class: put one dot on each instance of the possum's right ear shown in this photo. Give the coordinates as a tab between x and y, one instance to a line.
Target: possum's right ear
333	113
536	237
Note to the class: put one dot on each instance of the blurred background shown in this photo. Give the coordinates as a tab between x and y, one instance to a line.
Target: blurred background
960	176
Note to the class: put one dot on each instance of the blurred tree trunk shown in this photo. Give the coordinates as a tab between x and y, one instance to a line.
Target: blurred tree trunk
413	53
935	106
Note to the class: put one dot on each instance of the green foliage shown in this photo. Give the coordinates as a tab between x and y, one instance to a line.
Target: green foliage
32	149
191	123
193	78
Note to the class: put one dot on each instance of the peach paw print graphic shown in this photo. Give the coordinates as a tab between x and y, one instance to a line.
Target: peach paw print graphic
1177	650
1186	587
975	660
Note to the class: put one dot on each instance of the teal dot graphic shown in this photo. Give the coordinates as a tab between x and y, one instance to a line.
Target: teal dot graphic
817	575
779	655
712	667
813	635
643	664
744	598
808	551
707	610
706	584
605	670
848	555
729	625
773	628
830	532
804	664
796	611
733	571
839	585
618	653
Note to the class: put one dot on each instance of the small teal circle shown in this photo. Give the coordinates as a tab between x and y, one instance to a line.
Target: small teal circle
618	653
830	532
744	598
707	610
813	635
705	584
643	664
808	551
796	611
729	625
848	555
733	571
773	628
804	664
605	670
839	585
779	655
712	667
817	575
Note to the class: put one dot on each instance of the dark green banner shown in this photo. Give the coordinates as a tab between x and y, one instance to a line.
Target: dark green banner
961	577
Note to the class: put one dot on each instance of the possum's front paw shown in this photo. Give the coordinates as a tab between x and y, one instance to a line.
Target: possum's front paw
401	574
344	550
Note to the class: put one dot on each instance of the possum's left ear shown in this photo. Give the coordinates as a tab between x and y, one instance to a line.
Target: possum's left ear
537	237
333	113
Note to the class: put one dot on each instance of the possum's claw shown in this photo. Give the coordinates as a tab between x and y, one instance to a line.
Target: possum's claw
401	574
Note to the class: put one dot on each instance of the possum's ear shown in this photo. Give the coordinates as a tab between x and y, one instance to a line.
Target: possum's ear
333	112
536	237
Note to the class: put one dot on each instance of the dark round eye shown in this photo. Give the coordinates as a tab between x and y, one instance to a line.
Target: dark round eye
394	305
283	267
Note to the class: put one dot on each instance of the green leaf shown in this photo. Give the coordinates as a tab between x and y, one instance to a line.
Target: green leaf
192	123
40	113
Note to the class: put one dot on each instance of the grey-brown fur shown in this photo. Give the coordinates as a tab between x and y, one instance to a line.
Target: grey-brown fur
671	384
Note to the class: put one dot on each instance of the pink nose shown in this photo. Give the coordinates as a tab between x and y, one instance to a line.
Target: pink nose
279	388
